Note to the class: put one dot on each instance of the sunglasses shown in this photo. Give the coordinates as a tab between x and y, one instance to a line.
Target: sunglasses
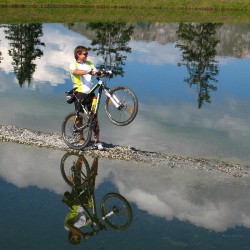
83	53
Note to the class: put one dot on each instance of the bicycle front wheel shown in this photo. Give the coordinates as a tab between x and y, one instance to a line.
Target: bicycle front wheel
74	169
76	131
127	110
118	210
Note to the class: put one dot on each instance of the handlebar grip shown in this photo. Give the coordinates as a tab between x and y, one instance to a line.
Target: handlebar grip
90	72
99	73
105	73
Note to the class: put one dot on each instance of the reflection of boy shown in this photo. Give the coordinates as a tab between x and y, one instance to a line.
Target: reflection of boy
76	217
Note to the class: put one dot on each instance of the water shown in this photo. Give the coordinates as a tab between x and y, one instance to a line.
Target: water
199	114
188	105
172	208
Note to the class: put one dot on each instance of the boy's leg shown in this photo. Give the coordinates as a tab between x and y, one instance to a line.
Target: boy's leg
96	131
80	96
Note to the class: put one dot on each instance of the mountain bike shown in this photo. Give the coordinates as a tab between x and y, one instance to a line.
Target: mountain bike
115	209
121	107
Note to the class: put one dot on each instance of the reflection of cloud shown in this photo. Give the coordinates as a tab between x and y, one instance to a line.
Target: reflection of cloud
58	51
58	54
221	118
29	166
219	132
175	128
145	200
223	60
154	53
4	47
60	42
158	54
213	201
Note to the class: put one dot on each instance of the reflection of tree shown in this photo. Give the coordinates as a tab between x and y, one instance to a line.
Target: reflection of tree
198	45
24	49
111	42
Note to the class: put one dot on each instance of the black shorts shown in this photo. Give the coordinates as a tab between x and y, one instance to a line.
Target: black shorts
86	100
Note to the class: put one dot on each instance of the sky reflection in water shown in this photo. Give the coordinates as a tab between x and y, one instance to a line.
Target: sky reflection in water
168	120
174	206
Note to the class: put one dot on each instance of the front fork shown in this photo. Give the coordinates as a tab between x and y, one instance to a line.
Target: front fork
113	98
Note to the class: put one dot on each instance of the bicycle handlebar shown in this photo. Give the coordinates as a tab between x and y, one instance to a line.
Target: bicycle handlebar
100	73
71	91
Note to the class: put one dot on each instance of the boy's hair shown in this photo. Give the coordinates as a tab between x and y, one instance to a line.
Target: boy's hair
79	49
74	242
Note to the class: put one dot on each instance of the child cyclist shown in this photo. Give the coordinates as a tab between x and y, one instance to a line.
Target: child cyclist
81	72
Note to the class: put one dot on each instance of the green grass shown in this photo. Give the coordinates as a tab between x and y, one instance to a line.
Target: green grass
42	11
174	4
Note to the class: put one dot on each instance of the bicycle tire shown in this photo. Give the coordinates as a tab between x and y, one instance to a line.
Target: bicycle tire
122	218
71	134
68	161
128	111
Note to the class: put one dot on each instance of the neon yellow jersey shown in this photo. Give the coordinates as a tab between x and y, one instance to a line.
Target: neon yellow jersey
82	83
75	217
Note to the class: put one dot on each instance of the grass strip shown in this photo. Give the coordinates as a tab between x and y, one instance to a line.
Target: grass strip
243	5
69	15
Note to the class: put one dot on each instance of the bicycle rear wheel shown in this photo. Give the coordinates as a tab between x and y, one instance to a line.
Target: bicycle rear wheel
122	212
128	108
76	132
74	169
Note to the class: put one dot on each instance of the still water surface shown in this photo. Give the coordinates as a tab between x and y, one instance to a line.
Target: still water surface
193	89
172	208
193	85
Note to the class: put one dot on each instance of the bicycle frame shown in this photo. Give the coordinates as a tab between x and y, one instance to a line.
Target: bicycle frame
121	106
101	85
92	217
82	180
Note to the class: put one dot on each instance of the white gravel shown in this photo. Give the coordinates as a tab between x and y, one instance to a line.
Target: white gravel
55	141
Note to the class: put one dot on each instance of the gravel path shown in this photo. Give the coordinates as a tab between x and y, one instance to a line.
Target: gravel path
54	141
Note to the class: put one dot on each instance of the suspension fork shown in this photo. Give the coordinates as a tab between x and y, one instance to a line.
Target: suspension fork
113	98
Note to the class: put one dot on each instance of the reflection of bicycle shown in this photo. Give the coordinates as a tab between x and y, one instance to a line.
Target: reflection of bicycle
115	209
121	108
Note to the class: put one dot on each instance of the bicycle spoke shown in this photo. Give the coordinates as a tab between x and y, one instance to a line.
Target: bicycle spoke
75	130
121	216
74	169
128	106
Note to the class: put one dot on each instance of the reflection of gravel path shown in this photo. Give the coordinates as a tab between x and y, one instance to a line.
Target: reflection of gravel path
54	141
